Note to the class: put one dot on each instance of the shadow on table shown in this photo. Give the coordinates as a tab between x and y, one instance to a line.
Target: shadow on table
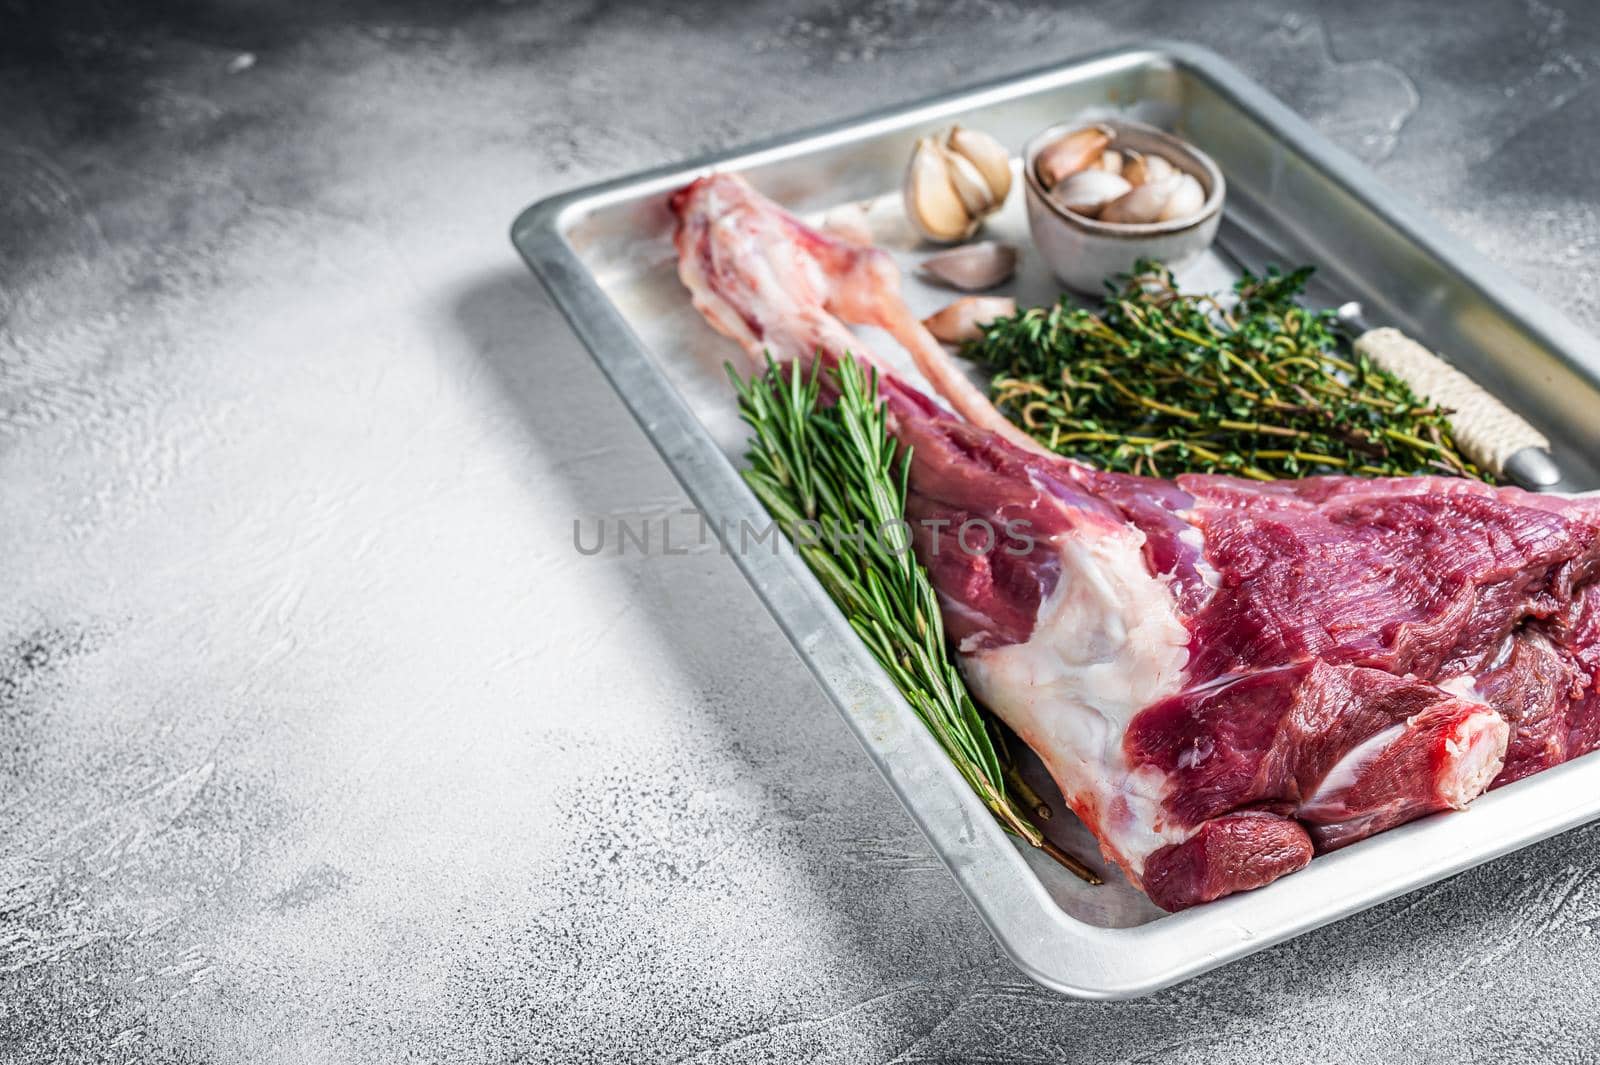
897	921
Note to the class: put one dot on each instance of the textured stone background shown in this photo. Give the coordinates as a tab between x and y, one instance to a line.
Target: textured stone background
318	742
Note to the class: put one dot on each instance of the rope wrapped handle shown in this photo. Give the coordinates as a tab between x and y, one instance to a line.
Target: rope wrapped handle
1486	430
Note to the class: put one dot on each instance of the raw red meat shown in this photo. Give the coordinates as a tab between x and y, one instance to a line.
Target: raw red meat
1222	676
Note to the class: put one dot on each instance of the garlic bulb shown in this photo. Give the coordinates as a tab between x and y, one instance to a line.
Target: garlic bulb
954	181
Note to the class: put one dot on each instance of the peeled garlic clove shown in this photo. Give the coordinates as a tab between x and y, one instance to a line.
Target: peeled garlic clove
1142	169
931	200
1087	191
988	155
973	267
964	319
1110	161
970	184
1070	154
1186	199
1144	203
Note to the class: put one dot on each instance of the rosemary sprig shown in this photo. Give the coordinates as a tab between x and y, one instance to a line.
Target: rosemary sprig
1160	382
835	481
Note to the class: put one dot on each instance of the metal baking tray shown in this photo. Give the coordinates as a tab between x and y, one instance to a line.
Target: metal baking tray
605	254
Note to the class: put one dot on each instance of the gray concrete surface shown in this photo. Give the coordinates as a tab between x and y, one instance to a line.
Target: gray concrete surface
319	742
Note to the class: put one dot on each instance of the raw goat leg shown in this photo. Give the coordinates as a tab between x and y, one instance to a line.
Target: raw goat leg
1217	673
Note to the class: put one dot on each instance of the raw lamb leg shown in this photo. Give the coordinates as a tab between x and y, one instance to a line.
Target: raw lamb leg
1221	676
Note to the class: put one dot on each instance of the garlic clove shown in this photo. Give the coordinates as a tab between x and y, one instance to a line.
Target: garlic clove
1143	203
973	267
964	319
1186	199
1141	169
1110	161
1133	167
988	155
1156	168
931	201
970	184
1087	191
1136	168
1070	154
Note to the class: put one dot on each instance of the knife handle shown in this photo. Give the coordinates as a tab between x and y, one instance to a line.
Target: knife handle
1487	431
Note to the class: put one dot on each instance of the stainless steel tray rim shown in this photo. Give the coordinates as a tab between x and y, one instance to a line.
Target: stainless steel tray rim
553	210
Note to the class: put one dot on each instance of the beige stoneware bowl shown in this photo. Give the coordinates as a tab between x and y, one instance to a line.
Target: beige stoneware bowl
1084	252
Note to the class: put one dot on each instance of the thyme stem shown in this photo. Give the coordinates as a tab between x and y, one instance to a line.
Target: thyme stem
1156	372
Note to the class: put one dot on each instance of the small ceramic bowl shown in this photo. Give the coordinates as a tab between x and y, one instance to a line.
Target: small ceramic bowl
1084	252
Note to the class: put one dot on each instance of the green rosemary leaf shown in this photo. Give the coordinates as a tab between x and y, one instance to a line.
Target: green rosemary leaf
838	467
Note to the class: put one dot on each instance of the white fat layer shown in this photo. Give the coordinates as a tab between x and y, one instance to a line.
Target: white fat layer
1197	540
1502	654
1348	769
1479	751
1463	686
1107	643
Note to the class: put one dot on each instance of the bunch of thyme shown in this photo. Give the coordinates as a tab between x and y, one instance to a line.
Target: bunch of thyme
826	473
1160	382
